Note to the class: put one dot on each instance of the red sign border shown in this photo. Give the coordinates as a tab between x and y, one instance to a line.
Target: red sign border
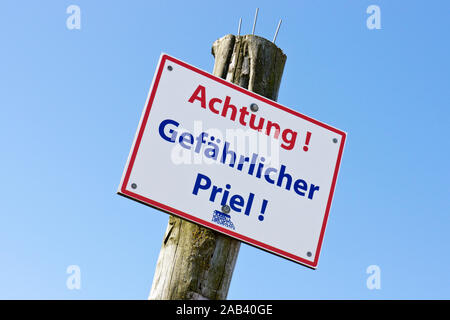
130	194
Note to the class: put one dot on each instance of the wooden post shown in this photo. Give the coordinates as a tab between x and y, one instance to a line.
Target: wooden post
196	262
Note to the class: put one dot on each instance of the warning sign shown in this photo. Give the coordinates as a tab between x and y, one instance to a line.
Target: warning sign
226	158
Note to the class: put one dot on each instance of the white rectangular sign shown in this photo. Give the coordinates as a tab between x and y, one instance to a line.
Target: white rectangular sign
231	160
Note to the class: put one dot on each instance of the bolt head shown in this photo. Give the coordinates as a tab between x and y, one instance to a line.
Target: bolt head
254	107
225	209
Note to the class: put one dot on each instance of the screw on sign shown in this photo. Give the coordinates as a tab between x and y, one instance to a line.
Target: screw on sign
254	107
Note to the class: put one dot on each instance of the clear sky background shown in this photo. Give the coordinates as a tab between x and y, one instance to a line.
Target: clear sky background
70	104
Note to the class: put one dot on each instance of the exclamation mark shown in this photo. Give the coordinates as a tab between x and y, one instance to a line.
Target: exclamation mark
263	209
308	137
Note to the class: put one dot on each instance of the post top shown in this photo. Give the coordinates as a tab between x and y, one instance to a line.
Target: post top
251	39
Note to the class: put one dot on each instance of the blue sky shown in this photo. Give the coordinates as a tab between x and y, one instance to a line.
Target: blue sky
70	103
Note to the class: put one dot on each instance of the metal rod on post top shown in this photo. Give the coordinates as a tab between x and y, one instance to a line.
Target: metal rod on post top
239	28
254	21
276	32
